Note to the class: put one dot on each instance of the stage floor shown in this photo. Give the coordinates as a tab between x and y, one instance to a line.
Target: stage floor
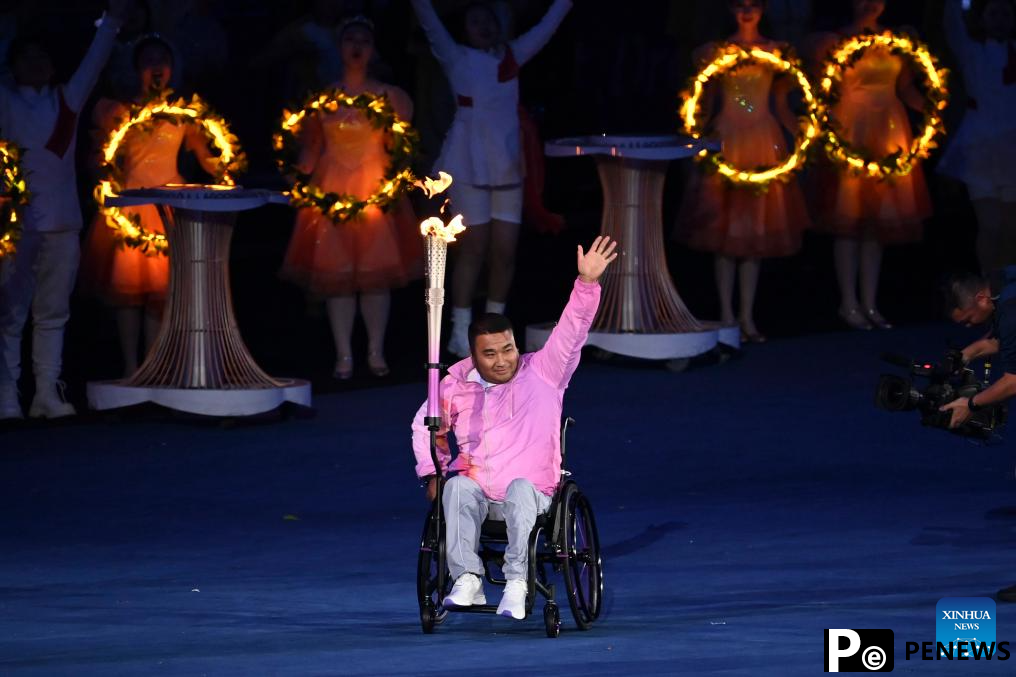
742	509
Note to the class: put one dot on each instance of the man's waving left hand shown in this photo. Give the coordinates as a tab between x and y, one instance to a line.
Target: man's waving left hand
600	255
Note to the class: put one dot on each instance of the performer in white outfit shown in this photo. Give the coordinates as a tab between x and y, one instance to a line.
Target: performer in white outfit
42	119
982	152
482	150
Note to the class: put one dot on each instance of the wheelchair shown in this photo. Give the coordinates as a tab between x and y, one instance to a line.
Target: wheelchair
564	540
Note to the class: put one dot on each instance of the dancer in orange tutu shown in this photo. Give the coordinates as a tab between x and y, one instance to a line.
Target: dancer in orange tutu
865	214
371	253
739	225
132	281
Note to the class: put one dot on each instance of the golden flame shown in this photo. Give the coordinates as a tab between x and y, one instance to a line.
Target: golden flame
194	111
438	228
730	57
933	125
432	187
13	198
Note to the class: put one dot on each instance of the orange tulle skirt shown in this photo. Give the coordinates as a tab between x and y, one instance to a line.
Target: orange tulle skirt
377	250
737	222
118	274
890	211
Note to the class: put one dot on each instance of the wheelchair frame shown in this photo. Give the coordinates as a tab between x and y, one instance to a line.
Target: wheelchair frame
564	539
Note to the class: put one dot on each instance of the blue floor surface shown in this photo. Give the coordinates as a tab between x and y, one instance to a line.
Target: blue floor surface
742	509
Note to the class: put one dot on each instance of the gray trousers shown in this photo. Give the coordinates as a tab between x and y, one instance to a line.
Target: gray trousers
40	278
465	508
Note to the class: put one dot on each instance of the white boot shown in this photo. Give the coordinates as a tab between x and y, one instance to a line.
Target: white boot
9	407
49	401
458	344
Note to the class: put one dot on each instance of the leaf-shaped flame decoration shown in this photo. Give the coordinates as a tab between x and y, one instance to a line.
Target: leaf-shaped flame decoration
432	187
437	227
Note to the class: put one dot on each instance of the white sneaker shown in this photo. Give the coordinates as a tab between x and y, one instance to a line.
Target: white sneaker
9	407
49	401
467	591
513	602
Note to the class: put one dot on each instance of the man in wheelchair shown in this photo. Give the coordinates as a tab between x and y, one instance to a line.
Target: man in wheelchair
505	410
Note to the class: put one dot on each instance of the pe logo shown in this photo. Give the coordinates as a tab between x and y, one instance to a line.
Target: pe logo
859	650
966	622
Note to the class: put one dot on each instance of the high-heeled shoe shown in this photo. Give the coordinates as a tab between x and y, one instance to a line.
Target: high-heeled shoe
377	365
876	319
343	368
751	335
855	319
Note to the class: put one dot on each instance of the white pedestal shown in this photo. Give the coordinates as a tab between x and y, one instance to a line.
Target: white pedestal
641	314
199	362
209	402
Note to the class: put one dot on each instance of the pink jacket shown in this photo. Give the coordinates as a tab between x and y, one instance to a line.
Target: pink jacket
510	431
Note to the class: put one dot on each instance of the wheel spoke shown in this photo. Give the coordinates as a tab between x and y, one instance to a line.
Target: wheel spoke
580	531
580	594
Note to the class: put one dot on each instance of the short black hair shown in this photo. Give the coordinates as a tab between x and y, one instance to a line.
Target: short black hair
959	290
488	323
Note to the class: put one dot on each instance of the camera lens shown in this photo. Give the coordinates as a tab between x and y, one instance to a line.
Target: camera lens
895	393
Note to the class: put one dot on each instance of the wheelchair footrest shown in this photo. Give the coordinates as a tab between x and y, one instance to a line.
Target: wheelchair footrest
475	609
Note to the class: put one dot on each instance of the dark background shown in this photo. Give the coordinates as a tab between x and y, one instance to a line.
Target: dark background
607	70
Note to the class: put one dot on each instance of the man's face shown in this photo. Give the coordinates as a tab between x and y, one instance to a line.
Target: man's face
978	312
496	357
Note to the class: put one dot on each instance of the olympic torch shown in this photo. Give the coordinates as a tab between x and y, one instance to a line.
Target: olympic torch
437	235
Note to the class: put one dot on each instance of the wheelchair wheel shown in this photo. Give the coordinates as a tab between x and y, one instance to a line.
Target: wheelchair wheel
583	571
431	574
533	573
552	619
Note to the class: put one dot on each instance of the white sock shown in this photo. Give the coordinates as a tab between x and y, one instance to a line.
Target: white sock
461	317
495	307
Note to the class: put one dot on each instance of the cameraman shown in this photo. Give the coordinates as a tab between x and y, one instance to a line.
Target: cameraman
971	302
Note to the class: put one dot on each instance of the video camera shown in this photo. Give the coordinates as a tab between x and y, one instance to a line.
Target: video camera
948	380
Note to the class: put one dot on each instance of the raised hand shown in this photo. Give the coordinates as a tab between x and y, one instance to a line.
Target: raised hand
600	255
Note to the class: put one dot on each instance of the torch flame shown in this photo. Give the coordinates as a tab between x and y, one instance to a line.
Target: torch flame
432	187
437	227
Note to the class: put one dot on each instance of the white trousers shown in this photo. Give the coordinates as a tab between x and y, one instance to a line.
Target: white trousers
465	508
480	204
39	278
